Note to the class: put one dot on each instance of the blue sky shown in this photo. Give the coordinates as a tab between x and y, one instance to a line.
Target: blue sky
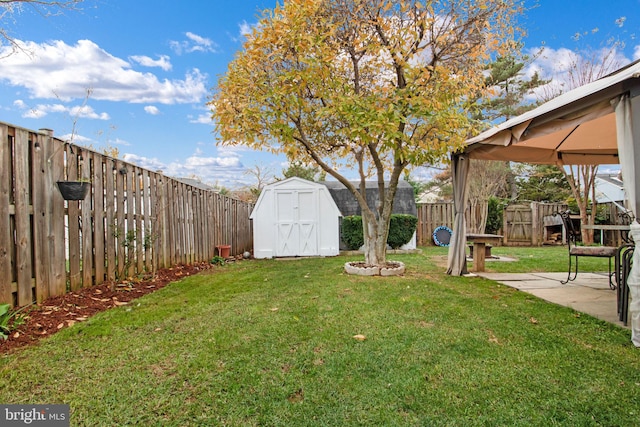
136	75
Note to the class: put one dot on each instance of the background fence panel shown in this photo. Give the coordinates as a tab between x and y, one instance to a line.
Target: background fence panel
433	215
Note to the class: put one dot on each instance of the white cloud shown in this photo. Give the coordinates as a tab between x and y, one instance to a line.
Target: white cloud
58	70
74	112
204	119
198	161
550	61
148	163
119	141
86	112
556	65
152	109
194	43
636	53
245	28
163	62
224	170
77	139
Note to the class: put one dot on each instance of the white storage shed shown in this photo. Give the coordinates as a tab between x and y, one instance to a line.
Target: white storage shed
295	217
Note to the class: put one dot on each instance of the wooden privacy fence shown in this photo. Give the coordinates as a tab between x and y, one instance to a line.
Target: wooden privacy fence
133	221
522	224
433	215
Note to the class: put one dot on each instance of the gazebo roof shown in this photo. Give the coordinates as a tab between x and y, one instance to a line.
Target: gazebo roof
578	127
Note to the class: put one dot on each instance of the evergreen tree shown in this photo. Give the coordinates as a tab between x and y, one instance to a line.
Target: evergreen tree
304	171
543	183
509	89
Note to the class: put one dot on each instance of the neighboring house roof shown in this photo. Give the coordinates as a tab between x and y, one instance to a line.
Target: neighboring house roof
430	196
403	203
197	184
609	188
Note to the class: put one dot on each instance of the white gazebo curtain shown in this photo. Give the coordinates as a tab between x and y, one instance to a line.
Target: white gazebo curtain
628	136
457	259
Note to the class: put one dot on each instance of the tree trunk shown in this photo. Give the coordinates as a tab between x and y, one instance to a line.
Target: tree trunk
375	240
582	183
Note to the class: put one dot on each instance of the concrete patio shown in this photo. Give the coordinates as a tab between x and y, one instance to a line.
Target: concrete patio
589	293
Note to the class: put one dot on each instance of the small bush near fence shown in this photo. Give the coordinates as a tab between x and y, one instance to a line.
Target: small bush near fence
401	229
352	231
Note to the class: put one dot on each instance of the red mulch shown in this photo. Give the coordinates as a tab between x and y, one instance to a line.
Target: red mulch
60	312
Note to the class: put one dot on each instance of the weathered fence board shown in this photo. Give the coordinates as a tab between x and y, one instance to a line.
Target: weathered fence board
41	221
133	221
73	223
86	225
22	217
58	247
98	182
110	168
6	237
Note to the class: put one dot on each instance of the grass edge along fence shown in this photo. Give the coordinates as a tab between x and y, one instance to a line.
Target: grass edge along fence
132	222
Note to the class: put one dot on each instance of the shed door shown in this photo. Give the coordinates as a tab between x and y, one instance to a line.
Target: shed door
296	223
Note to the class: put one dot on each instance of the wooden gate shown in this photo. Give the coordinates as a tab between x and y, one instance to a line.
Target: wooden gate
517	225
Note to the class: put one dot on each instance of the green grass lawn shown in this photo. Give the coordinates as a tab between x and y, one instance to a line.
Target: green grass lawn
268	342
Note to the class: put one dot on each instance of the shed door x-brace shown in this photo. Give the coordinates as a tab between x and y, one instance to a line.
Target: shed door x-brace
296	223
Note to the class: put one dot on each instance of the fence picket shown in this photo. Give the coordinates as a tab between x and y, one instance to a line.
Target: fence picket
87	222
110	172
55	154
41	217
22	217
98	213
7	275
73	223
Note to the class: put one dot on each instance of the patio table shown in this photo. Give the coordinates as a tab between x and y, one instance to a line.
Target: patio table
480	241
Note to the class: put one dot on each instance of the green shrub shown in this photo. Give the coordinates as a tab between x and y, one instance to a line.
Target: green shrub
217	260
494	216
352	235
401	229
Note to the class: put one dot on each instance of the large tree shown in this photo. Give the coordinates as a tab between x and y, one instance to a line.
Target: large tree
373	85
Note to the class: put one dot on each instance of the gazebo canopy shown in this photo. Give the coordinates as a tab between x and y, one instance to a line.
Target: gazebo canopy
598	123
578	127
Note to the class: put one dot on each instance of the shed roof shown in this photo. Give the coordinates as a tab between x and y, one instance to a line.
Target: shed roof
294	184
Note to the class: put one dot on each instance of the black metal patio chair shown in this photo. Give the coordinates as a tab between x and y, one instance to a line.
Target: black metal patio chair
576	251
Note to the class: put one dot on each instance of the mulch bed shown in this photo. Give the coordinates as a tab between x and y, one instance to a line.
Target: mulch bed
57	313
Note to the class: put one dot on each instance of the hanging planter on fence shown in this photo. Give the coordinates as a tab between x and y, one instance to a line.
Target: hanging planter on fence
74	190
